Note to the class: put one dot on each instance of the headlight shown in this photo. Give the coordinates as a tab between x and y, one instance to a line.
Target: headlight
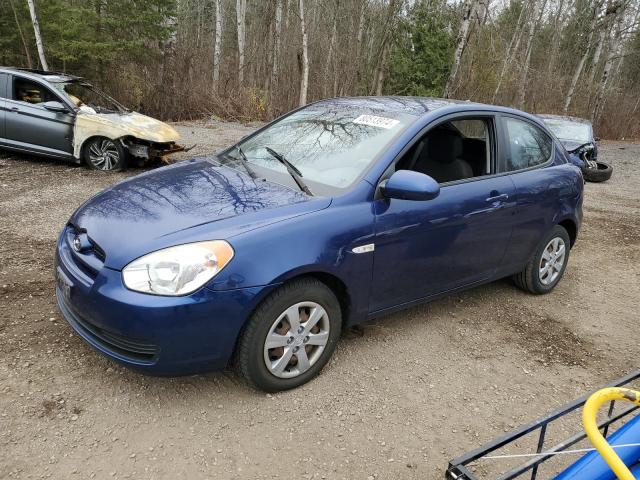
177	270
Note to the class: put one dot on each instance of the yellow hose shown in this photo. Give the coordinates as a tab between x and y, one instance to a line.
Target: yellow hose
590	423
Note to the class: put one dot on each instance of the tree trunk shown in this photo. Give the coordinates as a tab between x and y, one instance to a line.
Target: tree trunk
555	43
614	48
241	15
304	78
388	28
332	46
357	63
580	66
463	37
513	48
36	32
380	72
275	65
24	41
217	45
536	17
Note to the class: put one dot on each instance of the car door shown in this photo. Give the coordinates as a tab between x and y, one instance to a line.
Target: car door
533	163
423	248
3	102
30	126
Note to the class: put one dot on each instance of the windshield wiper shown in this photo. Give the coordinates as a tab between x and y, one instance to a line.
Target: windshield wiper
245	163
291	168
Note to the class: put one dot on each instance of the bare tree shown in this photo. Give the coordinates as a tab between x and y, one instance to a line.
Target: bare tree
241	17
511	50
304	77
538	10
36	32
614	45
381	61
22	39
275	65
217	44
469	9
581	63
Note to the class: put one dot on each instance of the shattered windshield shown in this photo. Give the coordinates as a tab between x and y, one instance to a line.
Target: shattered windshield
331	146
88	99
573	131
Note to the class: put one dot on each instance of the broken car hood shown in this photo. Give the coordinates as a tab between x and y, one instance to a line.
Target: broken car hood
118	125
571	145
186	202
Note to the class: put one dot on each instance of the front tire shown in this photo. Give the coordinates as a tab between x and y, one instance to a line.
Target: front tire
291	336
104	154
547	265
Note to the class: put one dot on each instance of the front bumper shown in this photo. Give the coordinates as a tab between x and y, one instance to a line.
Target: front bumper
158	335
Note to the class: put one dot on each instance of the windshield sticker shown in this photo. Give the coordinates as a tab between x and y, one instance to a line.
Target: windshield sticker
374	121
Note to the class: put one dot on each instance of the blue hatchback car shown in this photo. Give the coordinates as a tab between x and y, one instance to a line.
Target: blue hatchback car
330	216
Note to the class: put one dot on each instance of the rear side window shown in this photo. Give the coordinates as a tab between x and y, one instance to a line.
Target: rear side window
3	85
527	145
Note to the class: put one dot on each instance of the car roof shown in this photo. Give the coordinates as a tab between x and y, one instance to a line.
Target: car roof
418	106
47	76
566	118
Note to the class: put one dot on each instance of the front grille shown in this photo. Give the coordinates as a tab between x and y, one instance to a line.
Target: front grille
132	349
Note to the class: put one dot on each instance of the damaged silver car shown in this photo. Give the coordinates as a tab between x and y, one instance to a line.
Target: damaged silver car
62	116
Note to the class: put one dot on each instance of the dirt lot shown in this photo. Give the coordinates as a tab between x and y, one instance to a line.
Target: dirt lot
416	389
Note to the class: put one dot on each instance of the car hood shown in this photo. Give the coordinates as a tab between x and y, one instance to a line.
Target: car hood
118	125
572	145
190	201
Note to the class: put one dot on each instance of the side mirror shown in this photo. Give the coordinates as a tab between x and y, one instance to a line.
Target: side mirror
54	106
409	185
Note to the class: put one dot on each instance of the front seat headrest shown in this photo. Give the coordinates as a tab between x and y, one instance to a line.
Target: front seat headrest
444	146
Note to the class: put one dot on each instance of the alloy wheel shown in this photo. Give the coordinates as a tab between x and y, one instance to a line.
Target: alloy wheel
552	261
296	339
103	154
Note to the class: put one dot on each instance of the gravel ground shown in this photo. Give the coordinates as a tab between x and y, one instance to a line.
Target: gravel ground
397	400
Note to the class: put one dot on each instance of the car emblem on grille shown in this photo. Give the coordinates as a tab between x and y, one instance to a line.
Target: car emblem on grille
77	244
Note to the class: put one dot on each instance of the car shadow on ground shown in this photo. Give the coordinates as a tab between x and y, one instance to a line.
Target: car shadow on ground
133	167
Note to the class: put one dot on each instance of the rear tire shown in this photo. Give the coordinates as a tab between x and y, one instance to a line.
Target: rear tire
547	264
601	174
280	367
104	154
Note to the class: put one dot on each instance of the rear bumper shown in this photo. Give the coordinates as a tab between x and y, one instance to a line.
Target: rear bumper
154	334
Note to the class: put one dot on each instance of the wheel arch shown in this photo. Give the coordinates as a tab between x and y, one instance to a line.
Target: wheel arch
332	281
572	229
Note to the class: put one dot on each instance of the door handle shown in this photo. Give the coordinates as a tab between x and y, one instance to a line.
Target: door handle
15	109
498	198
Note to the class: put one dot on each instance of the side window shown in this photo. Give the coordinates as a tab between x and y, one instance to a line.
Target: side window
451	151
527	145
31	92
3	85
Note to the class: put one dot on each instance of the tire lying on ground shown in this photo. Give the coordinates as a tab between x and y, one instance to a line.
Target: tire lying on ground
601	174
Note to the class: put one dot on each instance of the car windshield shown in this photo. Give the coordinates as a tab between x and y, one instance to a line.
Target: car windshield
88	98
573	131
329	146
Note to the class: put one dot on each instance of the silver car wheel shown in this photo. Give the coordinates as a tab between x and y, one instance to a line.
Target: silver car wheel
552	261
296	339
103	154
